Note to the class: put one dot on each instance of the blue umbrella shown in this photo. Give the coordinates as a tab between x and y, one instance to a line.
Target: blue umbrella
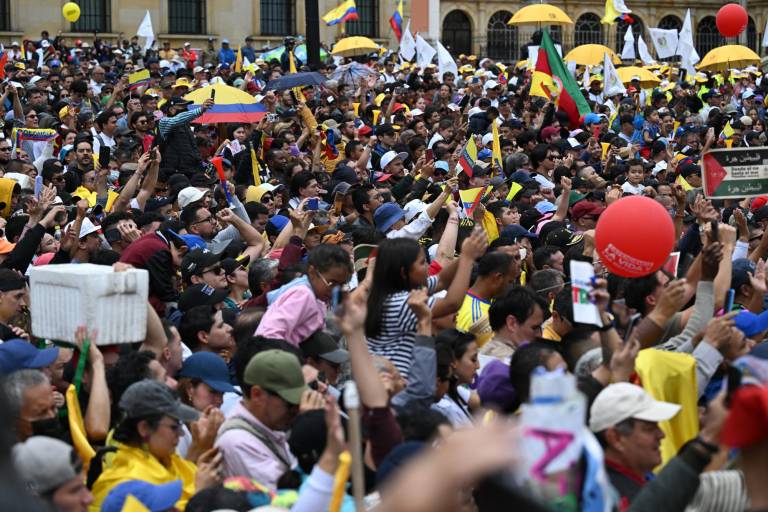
353	73
295	80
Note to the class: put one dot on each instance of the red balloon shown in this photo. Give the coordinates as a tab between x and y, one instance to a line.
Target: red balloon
731	20
634	236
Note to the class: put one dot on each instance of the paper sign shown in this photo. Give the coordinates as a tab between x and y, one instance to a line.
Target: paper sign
735	173
584	311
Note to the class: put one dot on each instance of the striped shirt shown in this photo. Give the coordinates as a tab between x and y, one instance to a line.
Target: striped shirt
398	328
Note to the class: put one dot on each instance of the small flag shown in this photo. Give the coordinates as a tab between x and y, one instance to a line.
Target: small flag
470	198
496	159
255	168
138	79
683	183
239	60
616	10
468	157
219	166
396	21
341	14
331	152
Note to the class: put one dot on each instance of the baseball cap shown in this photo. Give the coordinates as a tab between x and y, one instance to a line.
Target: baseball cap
741	270
151	496
758	203
86	227
44	464
494	386
150	398
322	345
277	371
386	215
200	295
549	131
188	196
196	261
202	180
622	401
517	231
414	208
231	264
6	246
563	238
276	224
760	213
194	242
583	208
747	420
384	129
178	101
364	130
210	368
490	84
749	93
750	324
389	156
18	354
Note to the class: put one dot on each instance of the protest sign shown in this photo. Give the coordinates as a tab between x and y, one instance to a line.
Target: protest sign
584	311
735	173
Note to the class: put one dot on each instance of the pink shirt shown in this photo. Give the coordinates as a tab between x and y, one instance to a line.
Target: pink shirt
294	316
245	455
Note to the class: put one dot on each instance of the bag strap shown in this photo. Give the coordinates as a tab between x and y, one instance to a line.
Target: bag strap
240	423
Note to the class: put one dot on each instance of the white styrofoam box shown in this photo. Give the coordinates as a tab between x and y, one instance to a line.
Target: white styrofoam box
63	297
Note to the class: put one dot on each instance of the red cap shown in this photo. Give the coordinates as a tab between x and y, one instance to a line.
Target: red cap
548	131
747	421
758	203
383	177
364	130
397	106
583	208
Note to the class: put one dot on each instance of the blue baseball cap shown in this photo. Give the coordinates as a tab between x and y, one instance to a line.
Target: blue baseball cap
276	224
545	207
386	215
750	323
153	497
484	153
194	242
18	354
210	368
517	231
591	118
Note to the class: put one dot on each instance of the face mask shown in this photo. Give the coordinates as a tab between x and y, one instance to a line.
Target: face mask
50	427
114	175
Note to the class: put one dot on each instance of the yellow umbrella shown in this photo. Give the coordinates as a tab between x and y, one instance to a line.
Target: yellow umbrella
590	55
647	78
355	45
543	14
729	56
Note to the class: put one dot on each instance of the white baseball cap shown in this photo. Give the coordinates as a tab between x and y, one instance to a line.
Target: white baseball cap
387	158
749	93
660	166
490	84
487	139
413	209
86	228
622	401
189	195
416	112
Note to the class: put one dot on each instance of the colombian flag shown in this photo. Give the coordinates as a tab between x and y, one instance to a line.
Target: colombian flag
396	20
470	198
468	157
345	12
138	79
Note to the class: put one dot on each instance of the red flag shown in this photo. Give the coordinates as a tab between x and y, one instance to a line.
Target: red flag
3	62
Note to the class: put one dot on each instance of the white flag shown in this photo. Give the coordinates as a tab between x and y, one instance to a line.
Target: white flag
765	35
612	85
585	78
685	46
145	30
665	41
628	52
642	49
424	52
407	43
445	62
571	65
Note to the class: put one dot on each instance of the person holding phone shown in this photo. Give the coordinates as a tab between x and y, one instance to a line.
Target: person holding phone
179	150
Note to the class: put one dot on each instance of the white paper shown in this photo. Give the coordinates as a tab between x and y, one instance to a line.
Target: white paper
665	41
407	43
424	52
628	52
584	311
612	85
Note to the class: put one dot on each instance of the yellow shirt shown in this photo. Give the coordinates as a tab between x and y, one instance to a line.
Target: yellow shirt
132	463
473	317
548	331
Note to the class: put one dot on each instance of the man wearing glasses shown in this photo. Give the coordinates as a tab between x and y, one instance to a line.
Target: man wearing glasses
200	266
5	154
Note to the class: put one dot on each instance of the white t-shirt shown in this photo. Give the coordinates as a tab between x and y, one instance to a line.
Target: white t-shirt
629	188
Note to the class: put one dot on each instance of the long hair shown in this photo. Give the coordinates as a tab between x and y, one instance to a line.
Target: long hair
459	342
393	263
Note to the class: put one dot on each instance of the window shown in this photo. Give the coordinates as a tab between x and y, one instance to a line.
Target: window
367	23
588	30
638	30
671	22
457	32
186	16
752	35
277	17
5	14
95	16
502	38
707	36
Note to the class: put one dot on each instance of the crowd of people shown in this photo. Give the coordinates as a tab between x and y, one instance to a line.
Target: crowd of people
337	249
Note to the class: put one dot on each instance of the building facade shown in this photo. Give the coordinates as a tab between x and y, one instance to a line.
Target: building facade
477	27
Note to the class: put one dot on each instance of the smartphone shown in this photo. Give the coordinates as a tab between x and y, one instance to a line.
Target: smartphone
714	225
463	101
293	97
336	300
38	185
729	300
733	382
147	143
338	202
430	155
213	93
104	155
313	204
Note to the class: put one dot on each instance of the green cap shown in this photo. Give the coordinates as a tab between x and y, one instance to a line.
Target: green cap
278	371
575	197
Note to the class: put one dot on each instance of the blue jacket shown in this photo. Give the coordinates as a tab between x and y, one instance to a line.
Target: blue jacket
226	56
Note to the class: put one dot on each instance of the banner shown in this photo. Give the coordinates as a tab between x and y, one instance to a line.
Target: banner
735	173
424	52
612	85
407	43
665	41
445	62
628	52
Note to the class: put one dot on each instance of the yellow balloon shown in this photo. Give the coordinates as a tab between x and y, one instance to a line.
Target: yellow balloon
71	11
